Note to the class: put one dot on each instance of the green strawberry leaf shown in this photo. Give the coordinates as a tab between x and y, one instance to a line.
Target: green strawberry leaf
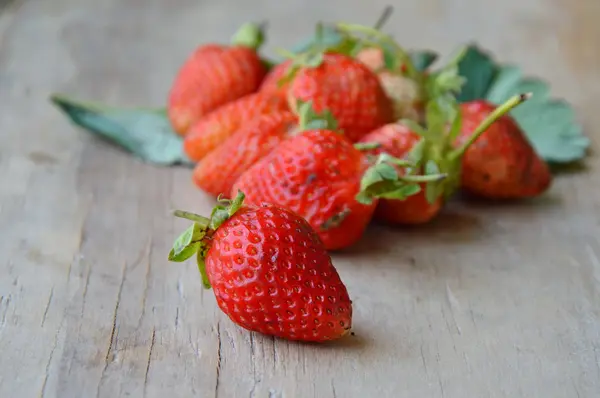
146	133
550	124
187	244
479	71
422	59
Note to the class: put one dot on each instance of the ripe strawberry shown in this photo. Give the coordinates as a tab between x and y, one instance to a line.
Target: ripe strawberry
213	129
345	87
269	271
221	168
317	175
501	163
398	140
430	150
214	75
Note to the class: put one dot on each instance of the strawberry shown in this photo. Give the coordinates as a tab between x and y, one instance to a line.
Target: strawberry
398	140
221	168
501	163
214	75
342	85
431	151
316	174
213	129
269	271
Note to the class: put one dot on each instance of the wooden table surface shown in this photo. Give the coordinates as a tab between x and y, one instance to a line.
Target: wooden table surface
489	301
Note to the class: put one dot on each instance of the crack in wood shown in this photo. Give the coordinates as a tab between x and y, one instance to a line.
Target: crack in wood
47	307
147	256
50	358
85	290
152	342
219	354
113	332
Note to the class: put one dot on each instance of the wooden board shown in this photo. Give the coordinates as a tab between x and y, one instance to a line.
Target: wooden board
489	301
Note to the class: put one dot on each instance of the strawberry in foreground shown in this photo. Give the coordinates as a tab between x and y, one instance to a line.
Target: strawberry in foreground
216	127
219	170
269	271
431	150
215	74
501	164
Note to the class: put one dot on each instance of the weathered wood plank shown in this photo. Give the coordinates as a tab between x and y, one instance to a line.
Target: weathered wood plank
489	301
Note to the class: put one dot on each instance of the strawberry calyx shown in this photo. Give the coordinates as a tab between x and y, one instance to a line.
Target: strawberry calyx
250	34
382	180
435	152
311	120
195	239
312	57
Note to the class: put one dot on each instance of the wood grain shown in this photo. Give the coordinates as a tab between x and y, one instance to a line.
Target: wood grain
488	301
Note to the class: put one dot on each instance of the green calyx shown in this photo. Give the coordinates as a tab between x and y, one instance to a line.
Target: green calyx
382	180
312	57
194	240
311	120
250	35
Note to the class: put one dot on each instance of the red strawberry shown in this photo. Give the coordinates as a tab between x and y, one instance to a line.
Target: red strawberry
270	85
221	168
214	75
501	163
398	140
345	87
317	175
430	151
269	271
213	129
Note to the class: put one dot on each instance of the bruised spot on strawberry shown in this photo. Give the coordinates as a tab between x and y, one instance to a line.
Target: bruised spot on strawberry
336	220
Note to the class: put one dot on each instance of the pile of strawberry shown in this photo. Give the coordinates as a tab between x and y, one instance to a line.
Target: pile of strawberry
303	154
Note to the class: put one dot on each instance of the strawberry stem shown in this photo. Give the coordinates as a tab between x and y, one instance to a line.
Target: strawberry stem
250	35
366	146
423	178
203	221
383	18
500	111
194	241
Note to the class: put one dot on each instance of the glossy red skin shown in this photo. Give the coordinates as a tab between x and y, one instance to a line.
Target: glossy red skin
271	274
501	164
397	140
219	170
349	90
270	82
317	175
216	127
212	76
